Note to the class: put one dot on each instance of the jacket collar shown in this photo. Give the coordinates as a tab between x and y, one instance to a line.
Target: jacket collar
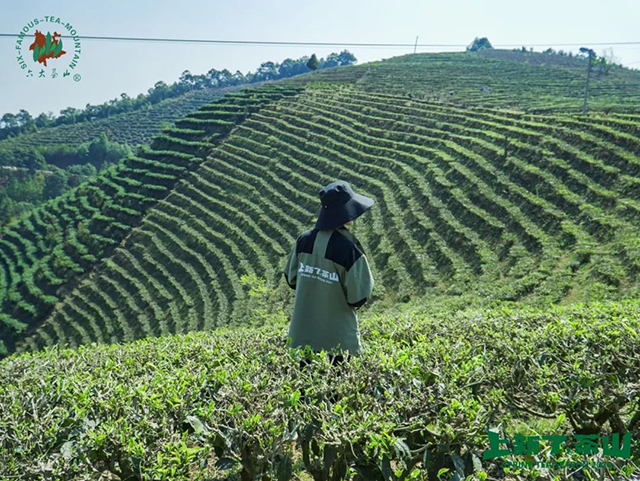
351	236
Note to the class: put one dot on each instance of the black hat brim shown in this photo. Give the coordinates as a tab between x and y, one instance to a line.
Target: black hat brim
334	217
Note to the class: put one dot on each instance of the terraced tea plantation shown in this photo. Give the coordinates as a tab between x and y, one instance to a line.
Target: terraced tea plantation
45	254
133	128
512	206
533	82
491	204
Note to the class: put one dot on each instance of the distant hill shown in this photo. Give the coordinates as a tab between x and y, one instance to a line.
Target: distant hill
131	128
45	253
81	141
69	147
502	192
162	103
532	82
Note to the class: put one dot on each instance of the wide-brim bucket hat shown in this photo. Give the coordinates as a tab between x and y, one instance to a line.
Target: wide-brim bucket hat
340	204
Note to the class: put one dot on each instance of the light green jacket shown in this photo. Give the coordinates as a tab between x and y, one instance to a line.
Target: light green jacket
330	273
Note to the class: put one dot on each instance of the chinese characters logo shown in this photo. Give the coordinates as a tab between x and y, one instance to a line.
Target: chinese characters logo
320	274
586	444
43	48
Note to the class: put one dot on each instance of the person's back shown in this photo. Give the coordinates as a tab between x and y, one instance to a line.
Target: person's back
329	270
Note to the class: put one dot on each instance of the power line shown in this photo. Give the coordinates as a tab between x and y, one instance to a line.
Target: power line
249	42
328	44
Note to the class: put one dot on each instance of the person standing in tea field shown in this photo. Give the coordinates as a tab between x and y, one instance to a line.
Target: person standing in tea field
329	271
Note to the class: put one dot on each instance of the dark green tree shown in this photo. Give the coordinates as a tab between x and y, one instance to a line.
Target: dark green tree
313	62
98	149
158	92
9	121
346	58
55	184
267	71
10	208
27	124
331	61
86	170
22	157
479	44
68	115
238	78
27	189
102	152
44	120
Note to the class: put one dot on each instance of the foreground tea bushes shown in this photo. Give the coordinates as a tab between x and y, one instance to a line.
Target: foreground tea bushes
235	402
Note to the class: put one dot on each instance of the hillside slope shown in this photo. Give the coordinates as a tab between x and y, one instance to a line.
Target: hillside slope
132	128
45	254
552	219
507	204
532	82
134	120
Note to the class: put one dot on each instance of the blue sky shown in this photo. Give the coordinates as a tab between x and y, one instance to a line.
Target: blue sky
108	68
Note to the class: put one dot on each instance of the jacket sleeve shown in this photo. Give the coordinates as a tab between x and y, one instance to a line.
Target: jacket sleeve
358	283
291	267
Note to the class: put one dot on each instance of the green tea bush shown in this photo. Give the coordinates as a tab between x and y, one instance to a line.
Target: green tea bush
235	404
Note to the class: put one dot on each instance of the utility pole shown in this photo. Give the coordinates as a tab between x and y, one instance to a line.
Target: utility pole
416	45
591	54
